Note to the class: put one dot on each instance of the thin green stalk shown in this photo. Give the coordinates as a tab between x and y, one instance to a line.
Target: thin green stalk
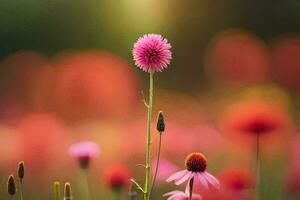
148	149
157	163
117	194
85	185
21	189
57	193
257	168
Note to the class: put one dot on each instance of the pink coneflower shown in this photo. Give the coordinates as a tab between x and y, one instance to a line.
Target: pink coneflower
84	152
179	195
196	164
151	53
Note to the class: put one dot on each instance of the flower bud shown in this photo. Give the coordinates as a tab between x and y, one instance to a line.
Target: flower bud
21	170
160	122
11	185
67	192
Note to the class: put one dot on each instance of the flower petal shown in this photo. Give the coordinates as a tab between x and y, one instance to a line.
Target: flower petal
172	193
184	178
203	180
177	175
212	180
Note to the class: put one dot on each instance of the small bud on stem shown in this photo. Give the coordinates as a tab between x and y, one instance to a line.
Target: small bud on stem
160	122
21	170
67	192
11	185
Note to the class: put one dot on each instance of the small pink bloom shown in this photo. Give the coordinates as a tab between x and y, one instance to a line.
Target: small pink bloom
196	164
84	152
151	53
179	195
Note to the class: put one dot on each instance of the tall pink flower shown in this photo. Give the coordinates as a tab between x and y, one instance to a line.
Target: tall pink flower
196	164
84	152
151	53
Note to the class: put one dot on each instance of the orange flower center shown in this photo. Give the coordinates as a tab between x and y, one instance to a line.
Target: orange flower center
196	162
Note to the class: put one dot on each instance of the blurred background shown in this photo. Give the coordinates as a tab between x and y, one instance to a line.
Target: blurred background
67	75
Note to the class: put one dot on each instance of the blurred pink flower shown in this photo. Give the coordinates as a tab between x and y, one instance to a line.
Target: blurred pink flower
179	195
196	164
84	152
151	53
165	169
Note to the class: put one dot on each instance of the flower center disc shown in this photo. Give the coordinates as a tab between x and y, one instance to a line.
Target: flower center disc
196	162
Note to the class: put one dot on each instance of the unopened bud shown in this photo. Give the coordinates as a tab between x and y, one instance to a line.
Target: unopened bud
11	185
21	170
67	192
160	122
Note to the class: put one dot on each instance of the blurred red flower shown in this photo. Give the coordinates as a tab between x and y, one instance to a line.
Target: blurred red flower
286	61
236	184
117	177
237	179
242	121
94	84
237	56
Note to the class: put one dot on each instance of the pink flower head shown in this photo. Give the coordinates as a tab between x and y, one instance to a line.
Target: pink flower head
196	164
84	152
179	195
151	53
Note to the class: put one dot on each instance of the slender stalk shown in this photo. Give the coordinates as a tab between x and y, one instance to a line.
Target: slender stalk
21	189
191	188
85	184
57	194
257	167
117	194
148	149
157	163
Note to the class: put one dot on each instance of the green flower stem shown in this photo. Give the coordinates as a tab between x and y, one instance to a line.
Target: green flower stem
117	193
157	163
148	149
57	194
21	189
85	184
